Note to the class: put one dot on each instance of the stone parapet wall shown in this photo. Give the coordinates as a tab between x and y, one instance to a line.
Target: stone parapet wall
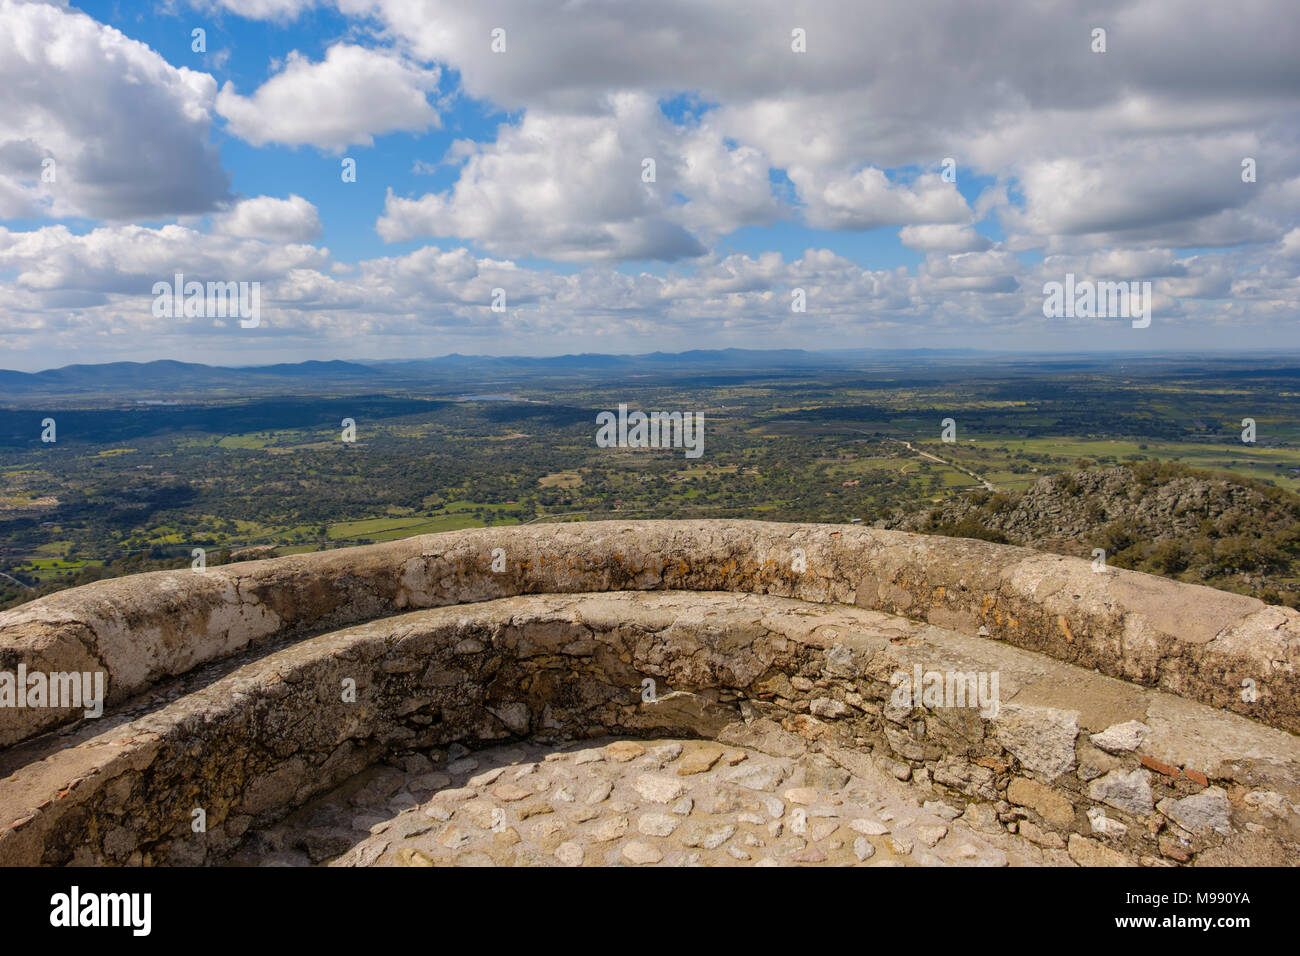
1225	650
1097	770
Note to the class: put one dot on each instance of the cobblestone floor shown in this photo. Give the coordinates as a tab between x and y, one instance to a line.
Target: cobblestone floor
624	802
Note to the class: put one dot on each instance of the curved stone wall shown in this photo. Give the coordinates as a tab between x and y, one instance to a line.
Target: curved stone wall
263	734
229	689
1197	642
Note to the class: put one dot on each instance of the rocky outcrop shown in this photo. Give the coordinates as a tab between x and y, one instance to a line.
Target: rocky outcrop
1074	504
1219	530
246	690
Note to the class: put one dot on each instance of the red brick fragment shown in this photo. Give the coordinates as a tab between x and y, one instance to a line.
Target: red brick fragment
1160	767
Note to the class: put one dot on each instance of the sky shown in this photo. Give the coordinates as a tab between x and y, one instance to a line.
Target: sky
537	177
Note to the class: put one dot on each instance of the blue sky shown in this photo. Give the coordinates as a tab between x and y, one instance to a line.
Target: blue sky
520	170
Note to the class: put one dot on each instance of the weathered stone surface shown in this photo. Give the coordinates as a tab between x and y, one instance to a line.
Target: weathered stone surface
1122	738
698	760
412	857
1088	852
1051	805
1130	792
940	809
146	627
803	795
709	838
828	707
610	829
1036	834
1105	825
757	778
658	824
641	853
868	827
727	838
1200	813
931	834
659	789
624	750
569	853
968	778
266	730
1042	738
510	792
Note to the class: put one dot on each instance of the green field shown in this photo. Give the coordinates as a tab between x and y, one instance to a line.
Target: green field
780	445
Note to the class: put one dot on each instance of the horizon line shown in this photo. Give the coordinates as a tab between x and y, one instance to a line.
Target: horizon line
1190	351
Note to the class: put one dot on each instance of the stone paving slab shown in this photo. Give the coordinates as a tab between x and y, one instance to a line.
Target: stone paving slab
620	802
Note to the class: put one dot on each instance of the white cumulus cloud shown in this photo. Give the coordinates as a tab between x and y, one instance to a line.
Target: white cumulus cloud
355	94
126	133
265	217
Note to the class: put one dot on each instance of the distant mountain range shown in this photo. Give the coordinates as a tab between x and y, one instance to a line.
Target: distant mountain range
167	375
150	378
168	380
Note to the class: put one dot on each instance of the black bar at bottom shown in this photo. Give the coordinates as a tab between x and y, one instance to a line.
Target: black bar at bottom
628	907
